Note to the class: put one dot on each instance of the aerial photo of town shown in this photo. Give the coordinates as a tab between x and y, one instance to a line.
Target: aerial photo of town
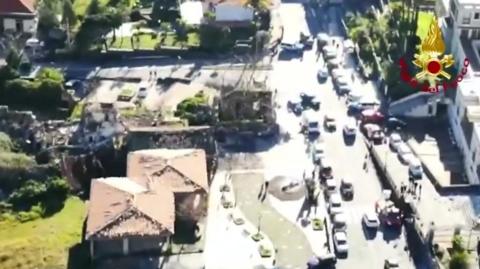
239	134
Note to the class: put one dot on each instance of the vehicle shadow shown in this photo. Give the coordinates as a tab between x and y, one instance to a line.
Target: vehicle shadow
287	56
390	234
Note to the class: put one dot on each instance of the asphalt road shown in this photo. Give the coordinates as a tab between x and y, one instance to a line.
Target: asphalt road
292	75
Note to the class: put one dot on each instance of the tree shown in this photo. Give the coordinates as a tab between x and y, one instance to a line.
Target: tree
69	17
259	5
13	58
47	20
94	8
51	74
459	260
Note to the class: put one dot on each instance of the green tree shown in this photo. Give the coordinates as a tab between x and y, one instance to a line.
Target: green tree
459	260
13	58
6	144
259	5
47	19
69	17
94	8
51	74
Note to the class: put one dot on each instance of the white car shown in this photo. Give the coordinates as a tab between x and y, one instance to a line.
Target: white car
142	90
318	151
350	128
335	204
404	153
395	140
340	222
323	73
329	52
338	72
370	219
331	186
415	168
340	242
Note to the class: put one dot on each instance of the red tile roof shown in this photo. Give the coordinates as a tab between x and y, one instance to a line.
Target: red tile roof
17	6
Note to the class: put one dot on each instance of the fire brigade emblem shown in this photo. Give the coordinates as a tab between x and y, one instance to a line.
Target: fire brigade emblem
431	59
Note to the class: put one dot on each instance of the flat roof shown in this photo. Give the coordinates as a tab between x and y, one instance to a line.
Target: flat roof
471	53
468	2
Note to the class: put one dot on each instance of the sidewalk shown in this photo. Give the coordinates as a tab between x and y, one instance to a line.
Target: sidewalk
226	244
290	242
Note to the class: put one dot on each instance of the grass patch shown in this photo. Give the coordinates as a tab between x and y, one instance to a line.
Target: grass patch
424	20
43	243
150	42
80	6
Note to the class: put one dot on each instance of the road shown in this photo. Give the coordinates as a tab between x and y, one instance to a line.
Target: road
294	75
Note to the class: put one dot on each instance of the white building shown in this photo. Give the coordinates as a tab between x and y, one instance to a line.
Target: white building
461	29
18	16
229	11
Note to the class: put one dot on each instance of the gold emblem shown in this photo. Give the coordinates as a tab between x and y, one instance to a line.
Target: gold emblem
430	59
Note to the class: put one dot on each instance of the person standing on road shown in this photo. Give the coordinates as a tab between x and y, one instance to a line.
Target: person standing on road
419	191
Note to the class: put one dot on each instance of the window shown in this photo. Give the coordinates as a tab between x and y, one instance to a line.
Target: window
476	16
430	109
466	19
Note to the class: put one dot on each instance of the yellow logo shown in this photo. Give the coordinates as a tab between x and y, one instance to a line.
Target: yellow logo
430	58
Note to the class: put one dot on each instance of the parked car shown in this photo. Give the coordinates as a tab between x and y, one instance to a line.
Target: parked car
310	123
329	52
330	187
348	46
293	48
395	123
340	223
322	39
372	116
323	73
404	153
343	85
415	169
329	122
318	151
373	132
338	72
334	63
295	105
394	141
309	101
142	90
350	128
306	40
370	220
391	263
327	261
340	242
326	171
335	204
346	189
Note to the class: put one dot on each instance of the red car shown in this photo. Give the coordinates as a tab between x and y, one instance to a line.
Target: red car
372	116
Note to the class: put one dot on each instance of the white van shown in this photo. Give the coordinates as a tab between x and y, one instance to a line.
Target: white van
415	168
142	90
311	122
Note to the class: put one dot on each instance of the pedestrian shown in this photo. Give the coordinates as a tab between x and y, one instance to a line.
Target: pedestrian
338	45
415	187
419	190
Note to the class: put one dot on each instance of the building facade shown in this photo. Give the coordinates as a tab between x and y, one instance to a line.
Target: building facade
18	16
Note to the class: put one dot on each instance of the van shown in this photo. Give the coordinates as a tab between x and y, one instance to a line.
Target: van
311	122
415	168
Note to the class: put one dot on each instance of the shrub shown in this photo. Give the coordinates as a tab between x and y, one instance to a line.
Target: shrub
15	160
24	216
457	244
238	221
265	252
459	260
7	217
257	237
50	74
6	143
317	224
